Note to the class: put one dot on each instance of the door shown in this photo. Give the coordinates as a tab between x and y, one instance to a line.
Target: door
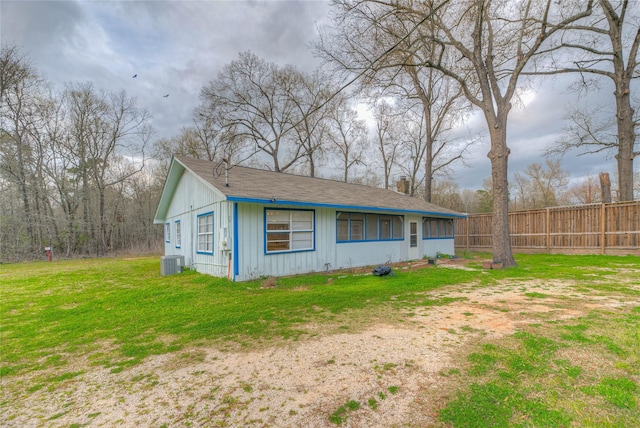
414	252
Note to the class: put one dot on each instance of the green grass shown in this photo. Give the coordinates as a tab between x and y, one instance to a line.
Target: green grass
527	379
116	313
122	311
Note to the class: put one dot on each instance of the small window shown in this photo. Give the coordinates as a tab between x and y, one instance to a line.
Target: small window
205	233
178	234
289	230
167	232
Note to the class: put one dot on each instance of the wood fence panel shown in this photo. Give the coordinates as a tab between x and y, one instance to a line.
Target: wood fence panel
585	229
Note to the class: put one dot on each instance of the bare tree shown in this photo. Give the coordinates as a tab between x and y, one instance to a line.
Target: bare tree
309	93
21	87
486	45
105	125
361	32
387	139
253	95
539	186
347	134
587	191
606	45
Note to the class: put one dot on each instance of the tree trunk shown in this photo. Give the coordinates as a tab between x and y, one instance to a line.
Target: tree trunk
605	188
499	156
626	139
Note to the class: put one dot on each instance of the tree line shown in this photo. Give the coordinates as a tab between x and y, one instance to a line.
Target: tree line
80	172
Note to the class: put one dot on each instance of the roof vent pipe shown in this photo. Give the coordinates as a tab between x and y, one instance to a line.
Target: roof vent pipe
226	172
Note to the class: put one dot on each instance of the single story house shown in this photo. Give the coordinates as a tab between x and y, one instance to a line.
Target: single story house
243	223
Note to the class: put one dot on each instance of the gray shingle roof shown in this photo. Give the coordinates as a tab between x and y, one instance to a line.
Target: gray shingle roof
250	184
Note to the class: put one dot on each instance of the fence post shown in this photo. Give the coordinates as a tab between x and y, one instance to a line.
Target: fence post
467	232
548	231
603	228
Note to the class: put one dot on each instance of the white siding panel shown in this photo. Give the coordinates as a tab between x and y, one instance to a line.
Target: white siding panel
191	198
355	254
431	247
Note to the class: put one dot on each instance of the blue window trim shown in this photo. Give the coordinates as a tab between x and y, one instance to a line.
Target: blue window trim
167	232
313	231
178	242
364	229
209	253
236	263
440	222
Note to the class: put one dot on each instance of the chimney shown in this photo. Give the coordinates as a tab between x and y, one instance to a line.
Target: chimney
403	185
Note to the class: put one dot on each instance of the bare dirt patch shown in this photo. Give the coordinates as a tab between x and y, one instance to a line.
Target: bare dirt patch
396	371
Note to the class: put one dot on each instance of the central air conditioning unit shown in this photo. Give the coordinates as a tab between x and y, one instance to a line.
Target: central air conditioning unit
171	264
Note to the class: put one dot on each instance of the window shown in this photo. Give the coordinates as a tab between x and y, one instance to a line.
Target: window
289	230
178	234
437	228
205	233
167	232
353	227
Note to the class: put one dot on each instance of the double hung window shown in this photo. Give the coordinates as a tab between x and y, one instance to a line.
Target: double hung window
289	230
178	234
205	233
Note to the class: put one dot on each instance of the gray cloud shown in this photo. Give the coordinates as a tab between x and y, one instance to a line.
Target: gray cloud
176	47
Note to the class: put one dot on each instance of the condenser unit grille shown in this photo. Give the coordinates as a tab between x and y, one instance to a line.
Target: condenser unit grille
170	265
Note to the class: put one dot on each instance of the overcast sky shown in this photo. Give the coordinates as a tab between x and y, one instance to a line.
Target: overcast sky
176	47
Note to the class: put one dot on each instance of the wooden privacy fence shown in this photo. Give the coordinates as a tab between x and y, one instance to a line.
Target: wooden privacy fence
583	229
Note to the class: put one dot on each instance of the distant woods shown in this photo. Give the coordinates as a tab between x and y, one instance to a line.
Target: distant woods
81	172
73	173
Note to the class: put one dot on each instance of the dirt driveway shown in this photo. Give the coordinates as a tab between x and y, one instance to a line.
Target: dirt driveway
396	371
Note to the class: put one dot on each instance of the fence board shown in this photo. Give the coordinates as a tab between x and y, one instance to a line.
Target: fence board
583	229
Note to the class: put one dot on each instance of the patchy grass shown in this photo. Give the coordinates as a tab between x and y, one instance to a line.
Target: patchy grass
115	313
573	373
118	312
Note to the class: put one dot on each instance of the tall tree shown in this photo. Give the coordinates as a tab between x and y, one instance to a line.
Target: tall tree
105	125
21	88
606	45
253	95
347	135
388	143
360	34
486	45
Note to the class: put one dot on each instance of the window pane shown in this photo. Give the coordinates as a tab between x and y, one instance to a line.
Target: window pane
302	241
302	220
357	227
398	227
277	241
343	227
434	229
278	220
385	227
372	227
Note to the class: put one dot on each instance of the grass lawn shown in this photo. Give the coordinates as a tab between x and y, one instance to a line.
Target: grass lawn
117	312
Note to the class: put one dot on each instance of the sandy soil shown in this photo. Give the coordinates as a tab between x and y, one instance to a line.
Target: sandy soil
400	365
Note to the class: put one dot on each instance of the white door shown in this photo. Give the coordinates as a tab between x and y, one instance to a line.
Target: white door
414	250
